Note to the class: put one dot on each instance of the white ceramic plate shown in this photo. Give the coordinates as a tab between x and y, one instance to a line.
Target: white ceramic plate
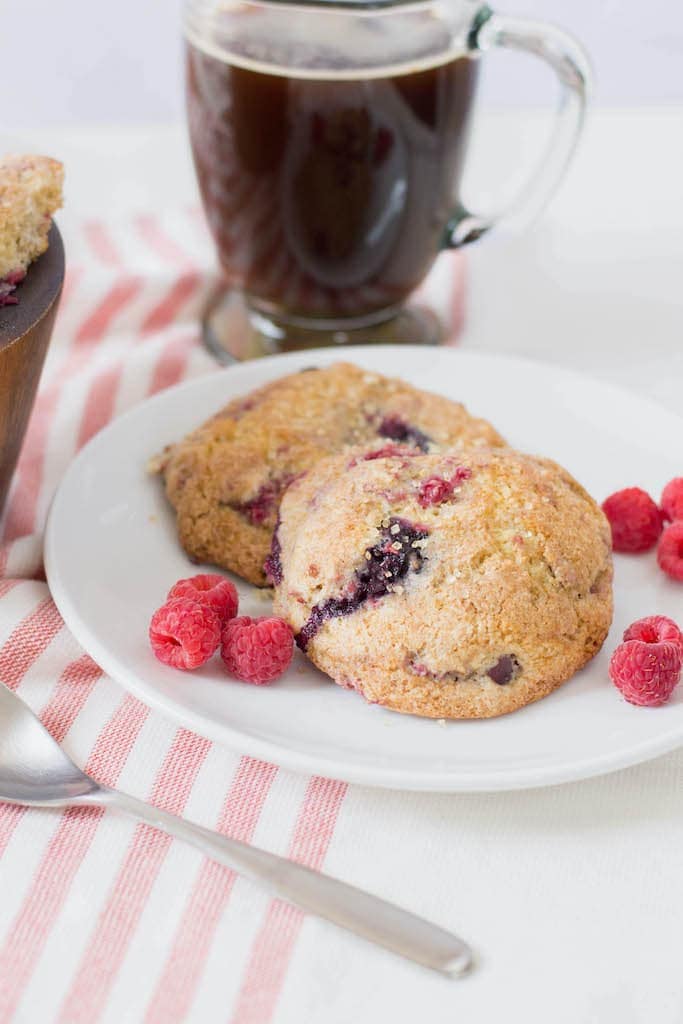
112	554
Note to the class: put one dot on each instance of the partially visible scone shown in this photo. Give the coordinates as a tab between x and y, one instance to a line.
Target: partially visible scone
30	193
462	584
226	479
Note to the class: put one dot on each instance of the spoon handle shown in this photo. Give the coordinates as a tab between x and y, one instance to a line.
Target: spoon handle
368	916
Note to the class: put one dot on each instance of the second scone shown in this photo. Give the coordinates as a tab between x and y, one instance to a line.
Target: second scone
455	585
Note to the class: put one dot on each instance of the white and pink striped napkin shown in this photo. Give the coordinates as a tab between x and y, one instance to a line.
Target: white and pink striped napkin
101	920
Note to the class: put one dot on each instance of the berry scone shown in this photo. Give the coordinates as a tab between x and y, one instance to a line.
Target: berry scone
226	479
30	192
463	584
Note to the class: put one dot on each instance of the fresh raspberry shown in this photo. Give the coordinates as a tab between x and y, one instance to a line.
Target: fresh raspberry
672	499
439	489
654	630
670	551
646	673
635	519
256	650
210	589
184	633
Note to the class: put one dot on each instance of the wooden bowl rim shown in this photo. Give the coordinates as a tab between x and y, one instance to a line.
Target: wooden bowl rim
37	292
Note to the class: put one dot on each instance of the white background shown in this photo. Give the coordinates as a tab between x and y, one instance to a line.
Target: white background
79	61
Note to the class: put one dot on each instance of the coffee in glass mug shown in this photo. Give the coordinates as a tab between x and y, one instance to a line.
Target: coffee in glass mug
329	141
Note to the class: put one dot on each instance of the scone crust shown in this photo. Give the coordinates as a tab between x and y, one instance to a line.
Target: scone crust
513	577
226	479
30	193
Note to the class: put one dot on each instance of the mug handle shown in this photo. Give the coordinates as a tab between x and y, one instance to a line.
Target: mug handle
569	61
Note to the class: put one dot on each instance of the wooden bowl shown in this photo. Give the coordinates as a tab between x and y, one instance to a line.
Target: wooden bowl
25	331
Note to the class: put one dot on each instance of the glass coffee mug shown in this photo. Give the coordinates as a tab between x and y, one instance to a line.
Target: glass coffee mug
329	139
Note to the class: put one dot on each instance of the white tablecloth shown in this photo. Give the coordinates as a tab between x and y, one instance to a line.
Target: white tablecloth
572	896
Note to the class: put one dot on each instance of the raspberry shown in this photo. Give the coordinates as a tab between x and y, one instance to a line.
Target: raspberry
655	629
256	650
635	519
388	451
184	633
258	508
646	673
438	489
210	589
670	551
672	499
273	563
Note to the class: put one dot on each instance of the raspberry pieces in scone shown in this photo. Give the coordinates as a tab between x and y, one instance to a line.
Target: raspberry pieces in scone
226	480
460	584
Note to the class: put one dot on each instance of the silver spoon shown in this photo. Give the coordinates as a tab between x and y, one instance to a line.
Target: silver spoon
34	770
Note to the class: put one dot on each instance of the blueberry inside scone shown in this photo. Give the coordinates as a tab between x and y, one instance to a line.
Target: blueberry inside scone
460	584
385	564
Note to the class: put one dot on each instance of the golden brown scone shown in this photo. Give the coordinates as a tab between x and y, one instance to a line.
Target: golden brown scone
30	193
454	585
226	479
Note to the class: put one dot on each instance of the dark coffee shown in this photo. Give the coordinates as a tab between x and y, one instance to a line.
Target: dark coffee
327	197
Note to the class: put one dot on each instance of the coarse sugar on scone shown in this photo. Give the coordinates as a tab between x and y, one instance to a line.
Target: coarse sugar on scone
457	584
226	479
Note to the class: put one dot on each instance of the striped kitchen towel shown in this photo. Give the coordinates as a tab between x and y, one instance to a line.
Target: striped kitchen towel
102	919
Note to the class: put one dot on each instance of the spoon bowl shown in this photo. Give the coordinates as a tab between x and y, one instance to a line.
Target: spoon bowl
34	769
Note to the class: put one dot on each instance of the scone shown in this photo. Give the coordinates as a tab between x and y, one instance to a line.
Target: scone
452	585
30	193
225	480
